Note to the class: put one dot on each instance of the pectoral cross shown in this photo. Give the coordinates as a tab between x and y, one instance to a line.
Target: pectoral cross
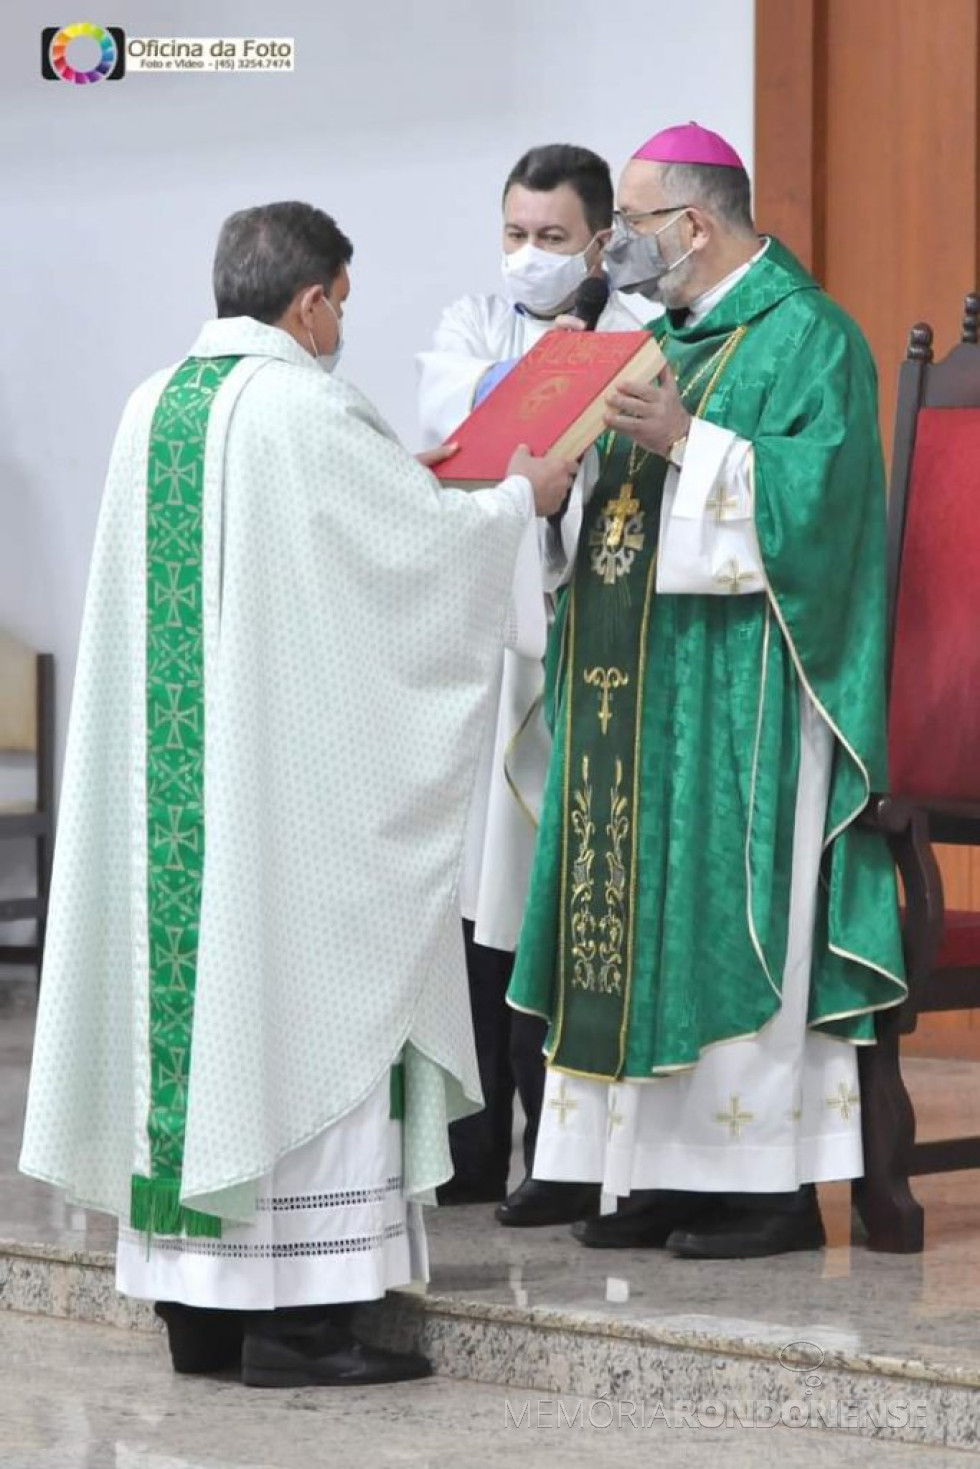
617	513
607	680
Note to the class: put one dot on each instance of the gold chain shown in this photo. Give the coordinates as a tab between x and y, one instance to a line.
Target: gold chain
719	361
633	465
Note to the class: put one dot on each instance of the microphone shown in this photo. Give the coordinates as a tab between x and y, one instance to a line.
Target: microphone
590	300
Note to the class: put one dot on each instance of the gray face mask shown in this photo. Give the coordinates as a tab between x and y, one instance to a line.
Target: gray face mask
636	262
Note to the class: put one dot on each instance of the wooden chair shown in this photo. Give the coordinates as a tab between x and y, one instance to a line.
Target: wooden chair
934	753
27	730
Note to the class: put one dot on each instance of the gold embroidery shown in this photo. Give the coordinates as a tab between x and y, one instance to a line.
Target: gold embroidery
844	1101
607	681
611	563
619	533
720	504
734	1119
612	925
542	396
733	576
562	1104
583	922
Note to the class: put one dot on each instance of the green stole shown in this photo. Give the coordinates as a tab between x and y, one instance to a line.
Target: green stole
174	775
657	915
175	733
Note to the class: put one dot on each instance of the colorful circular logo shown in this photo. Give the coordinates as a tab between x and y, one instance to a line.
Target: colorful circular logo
82	30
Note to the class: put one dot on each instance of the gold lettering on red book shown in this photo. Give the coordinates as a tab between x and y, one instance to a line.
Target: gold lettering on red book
542	396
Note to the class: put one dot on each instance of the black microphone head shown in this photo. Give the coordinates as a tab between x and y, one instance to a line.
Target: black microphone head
590	300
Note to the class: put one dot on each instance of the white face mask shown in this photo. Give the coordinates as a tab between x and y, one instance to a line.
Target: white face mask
542	280
328	360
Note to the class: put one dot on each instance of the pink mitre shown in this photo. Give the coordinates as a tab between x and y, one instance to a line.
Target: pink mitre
689	143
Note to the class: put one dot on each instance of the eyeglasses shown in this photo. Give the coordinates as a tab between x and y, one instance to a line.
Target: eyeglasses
627	221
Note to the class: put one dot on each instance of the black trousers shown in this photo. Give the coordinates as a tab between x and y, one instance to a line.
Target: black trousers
509	1047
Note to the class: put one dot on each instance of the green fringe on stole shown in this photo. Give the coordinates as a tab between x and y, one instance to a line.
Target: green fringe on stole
155	1208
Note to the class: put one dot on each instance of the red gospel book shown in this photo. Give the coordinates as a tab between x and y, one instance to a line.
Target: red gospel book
552	399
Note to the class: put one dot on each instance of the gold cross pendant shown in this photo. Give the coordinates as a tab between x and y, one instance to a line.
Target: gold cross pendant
617	513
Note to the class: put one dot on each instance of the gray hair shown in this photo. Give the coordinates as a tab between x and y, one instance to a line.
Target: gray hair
266	255
724	192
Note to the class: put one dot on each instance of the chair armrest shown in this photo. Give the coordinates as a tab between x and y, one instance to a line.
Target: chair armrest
906	828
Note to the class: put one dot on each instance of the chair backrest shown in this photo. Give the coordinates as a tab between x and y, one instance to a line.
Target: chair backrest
934	571
18	697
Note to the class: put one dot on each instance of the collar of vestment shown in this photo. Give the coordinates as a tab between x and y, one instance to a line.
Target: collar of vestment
243	336
770	278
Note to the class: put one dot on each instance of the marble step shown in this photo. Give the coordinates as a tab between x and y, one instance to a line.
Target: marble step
72	1394
699	1370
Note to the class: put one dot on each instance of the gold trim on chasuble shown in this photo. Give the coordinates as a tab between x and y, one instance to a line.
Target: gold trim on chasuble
602	754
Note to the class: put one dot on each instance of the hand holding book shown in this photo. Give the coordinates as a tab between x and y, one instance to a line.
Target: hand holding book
553	400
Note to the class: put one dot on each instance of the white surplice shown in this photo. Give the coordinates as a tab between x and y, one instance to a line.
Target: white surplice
780	1108
473	335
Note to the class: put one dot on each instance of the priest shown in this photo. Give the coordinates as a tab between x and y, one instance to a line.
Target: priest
556	219
289	636
709	931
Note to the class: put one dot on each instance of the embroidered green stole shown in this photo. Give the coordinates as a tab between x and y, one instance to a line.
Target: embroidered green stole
608	608
174	776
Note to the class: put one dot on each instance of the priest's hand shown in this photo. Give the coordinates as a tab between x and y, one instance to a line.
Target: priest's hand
567	323
431	457
551	478
653	416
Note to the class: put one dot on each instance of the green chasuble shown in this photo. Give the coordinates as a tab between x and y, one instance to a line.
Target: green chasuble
657	917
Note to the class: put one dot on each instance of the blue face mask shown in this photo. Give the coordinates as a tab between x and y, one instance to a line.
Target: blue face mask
328	360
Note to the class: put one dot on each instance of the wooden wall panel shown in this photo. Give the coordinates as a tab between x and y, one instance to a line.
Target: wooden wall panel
867	155
900	215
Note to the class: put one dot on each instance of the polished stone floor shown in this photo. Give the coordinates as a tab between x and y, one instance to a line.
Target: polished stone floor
922	1312
90	1397
925	1308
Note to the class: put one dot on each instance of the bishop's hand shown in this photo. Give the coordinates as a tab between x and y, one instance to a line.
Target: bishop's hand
653	416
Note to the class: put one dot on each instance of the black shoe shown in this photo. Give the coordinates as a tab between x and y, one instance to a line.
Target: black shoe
324	1356
462	1191
645	1220
537	1202
202	1341
750	1232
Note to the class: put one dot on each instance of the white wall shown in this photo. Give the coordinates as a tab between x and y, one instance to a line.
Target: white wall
402	119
